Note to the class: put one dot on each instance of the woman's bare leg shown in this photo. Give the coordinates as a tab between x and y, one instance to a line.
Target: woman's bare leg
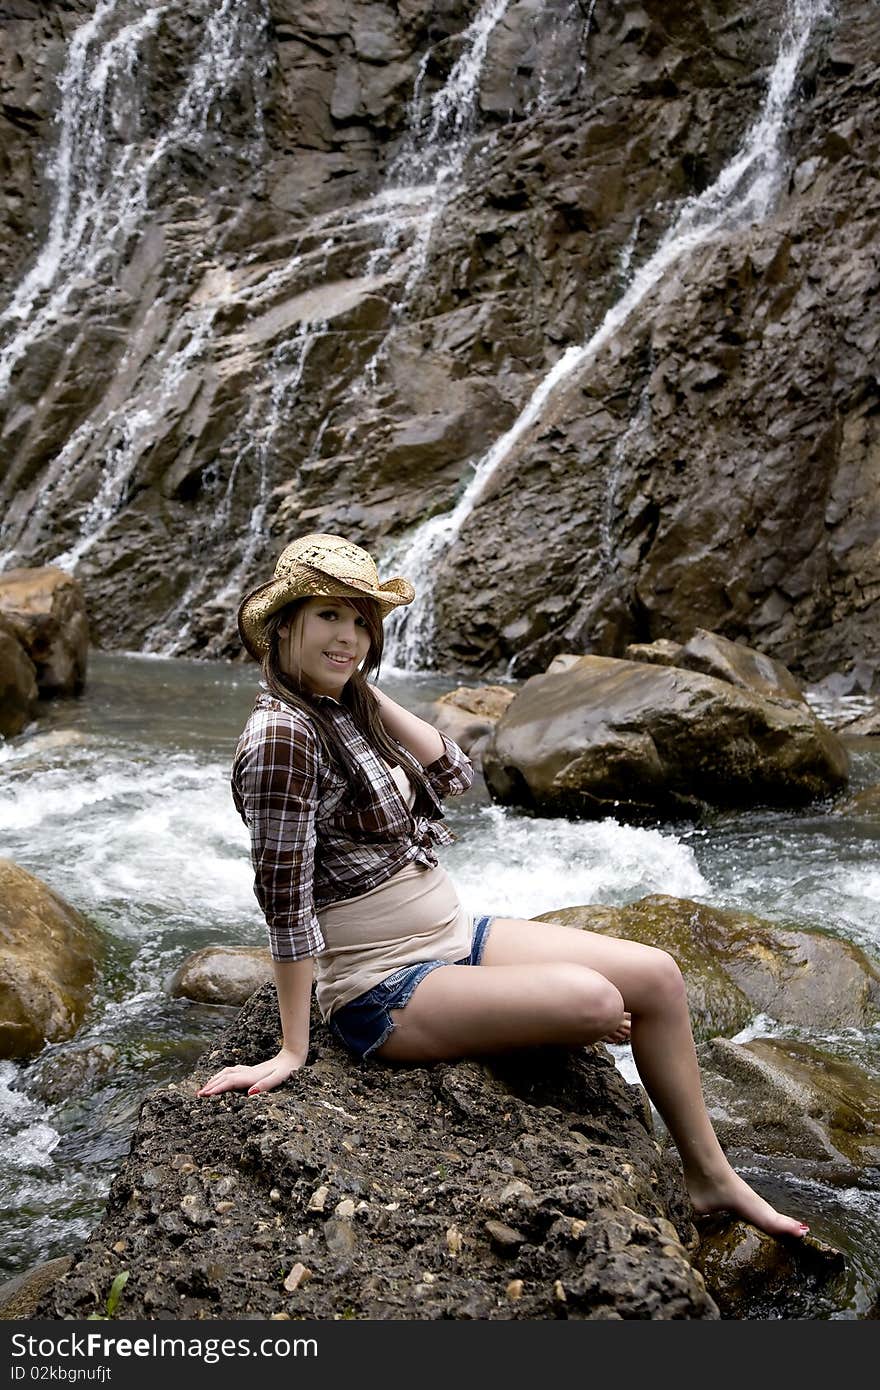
541	982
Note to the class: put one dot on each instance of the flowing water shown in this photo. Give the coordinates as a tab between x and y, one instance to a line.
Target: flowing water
120	802
742	194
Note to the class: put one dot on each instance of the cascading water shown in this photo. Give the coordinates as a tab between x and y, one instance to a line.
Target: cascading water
102	182
256	436
426	172
742	193
103	173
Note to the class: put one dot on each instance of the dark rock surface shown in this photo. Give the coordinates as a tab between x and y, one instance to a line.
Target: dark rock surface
233	364
528	1188
18	682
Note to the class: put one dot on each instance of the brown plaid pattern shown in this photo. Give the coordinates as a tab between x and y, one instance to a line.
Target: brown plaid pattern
314	841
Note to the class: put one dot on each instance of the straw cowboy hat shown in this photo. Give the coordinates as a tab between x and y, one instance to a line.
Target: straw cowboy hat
316	566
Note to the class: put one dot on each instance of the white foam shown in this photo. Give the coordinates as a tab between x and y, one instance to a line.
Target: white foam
522	867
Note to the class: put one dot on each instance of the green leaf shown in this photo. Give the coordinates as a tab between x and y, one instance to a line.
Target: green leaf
116	1288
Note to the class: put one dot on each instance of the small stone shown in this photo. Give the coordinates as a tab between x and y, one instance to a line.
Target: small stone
559	1292
502	1236
300	1274
120	1246
577	1227
454	1241
428	1277
514	1290
221	1207
275	1195
345	1208
515	1188
318	1199
280	1317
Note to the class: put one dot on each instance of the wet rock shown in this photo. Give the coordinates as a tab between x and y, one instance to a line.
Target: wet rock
46	608
48	963
751	1275
634	740
797	1103
738	664
18	682
221	974
864	803
62	1072
737	965
678	477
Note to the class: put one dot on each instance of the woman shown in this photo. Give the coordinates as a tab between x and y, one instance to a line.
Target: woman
341	789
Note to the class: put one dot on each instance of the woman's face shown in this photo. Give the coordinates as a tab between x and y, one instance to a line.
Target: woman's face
323	644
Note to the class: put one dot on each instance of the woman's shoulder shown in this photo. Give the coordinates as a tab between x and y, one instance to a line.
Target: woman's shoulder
273	717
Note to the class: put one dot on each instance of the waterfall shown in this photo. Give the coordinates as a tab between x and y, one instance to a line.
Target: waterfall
256	437
427	170
742	194
101	182
102	185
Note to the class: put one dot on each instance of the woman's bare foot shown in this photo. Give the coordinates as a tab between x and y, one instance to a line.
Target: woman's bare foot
621	1034
733	1194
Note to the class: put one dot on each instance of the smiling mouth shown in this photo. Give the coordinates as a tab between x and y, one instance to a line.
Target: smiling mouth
338	660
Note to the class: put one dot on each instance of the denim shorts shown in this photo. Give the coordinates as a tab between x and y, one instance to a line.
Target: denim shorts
365	1023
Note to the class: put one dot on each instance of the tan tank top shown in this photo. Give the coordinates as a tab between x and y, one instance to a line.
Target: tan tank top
414	916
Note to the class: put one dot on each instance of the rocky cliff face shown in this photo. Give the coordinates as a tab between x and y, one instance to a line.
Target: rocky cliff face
301	266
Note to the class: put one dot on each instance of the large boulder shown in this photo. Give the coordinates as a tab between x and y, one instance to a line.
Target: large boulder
816	1114
733	662
531	1187
48	963
635	740
46	608
18	682
736	965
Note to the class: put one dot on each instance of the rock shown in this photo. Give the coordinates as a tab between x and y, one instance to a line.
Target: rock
47	610
865	726
864	803
623	738
678	475
592	1215
20	1295
797	1104
735	965
48	964
660	653
742	666
221	974
18	682
62	1072
469	714
751	1275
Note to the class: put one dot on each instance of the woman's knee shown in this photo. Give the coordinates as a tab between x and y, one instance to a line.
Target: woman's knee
666	981
594	1004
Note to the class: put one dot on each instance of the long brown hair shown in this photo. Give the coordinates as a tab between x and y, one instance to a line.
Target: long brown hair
356	694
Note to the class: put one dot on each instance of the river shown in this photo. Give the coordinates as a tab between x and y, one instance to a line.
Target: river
120	801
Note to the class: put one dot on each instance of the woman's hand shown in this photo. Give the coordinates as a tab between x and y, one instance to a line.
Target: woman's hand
265	1076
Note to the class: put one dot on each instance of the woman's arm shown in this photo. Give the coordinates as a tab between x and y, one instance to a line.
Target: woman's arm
422	739
293	982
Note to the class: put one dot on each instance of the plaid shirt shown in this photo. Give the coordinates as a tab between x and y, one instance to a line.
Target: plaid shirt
314	841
